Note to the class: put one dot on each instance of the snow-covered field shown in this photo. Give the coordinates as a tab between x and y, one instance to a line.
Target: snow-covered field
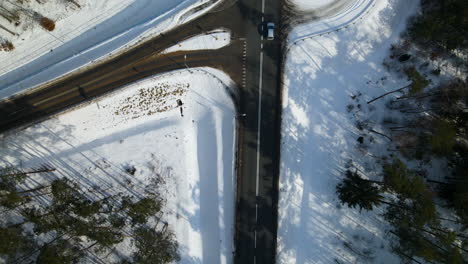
98	30
323	73
142	126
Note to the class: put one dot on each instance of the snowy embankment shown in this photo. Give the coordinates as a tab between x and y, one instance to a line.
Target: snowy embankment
142	126
323	73
211	40
332	15
311	5
96	31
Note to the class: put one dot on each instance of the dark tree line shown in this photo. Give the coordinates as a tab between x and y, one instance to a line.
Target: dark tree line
413	216
432	125
71	223
442	25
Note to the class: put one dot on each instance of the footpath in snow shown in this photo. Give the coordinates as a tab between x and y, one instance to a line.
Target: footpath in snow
322	72
98	30
142	126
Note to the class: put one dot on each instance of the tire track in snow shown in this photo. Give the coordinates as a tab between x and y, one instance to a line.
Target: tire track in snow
358	10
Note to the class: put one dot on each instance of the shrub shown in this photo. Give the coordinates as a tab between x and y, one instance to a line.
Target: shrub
418	82
6	45
47	23
443	138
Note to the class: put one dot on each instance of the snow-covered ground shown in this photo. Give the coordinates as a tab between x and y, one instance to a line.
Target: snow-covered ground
331	17
211	40
323	73
141	125
311	5
98	30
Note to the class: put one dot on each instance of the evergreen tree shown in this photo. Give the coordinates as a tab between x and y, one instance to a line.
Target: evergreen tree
454	256
411	215
12	200
75	218
432	246
443	24
9	196
443	139
154	247
460	201
13	242
418	82
355	191
141	210
87	208
402	181
59	252
416	225
10	178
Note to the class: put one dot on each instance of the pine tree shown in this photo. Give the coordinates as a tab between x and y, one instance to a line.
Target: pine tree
454	256
154	247
460	202
13	242
10	178
355	191
12	200
418	83
442	24
402	181
416	225
86	208
74	218
443	139
59	252
141	210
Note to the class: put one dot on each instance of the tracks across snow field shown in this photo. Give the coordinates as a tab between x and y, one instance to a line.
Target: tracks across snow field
326	18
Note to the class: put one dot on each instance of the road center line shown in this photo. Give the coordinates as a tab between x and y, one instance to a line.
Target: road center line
259	121
260	81
54	97
256	212
255	238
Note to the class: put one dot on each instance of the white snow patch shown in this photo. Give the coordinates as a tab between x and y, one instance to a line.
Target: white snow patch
308	4
348	12
91	144
211	40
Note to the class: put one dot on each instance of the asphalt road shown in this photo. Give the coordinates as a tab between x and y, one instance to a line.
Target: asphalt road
260	100
252	62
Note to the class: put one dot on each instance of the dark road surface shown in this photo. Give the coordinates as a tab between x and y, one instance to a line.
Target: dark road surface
260	100
257	74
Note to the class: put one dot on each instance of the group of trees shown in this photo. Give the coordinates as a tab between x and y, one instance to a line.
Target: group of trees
427	209
443	25
411	212
61	222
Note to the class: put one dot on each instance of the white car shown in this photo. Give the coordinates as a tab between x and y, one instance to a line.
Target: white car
270	31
